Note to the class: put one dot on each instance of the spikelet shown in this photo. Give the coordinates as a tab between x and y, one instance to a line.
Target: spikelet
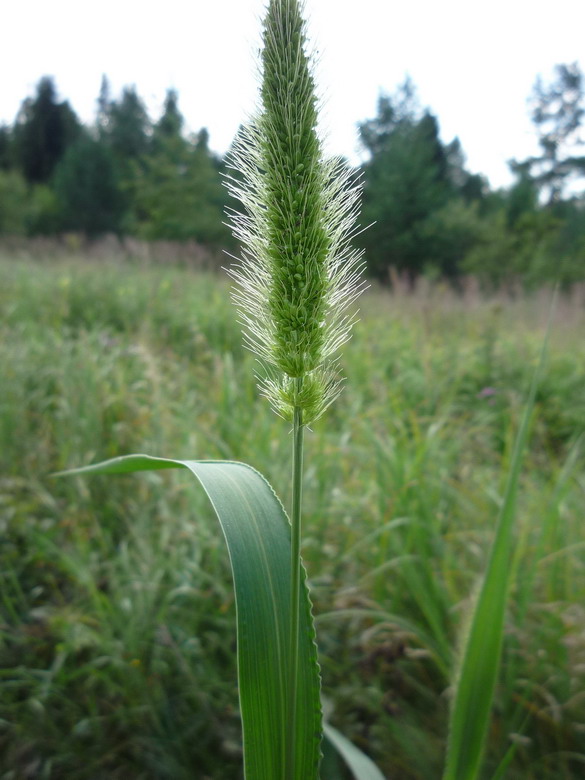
298	273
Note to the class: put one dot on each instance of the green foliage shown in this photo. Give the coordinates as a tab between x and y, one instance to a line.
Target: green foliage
406	180
558	111
116	647
522	199
170	125
479	666
542	245
44	211
177	193
453	233
25	210
569	243
6	160
87	189
44	130
431	217
14	203
125	126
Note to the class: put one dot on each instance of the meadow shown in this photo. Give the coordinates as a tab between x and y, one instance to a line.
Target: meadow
117	624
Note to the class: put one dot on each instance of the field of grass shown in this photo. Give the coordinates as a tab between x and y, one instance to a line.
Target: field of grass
117	627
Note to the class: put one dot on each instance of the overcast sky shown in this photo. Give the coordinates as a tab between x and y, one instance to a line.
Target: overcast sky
474	62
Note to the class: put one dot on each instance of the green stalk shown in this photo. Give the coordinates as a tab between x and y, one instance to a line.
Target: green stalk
295	565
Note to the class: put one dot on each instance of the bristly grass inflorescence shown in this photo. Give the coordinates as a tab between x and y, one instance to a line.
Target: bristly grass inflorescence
298	273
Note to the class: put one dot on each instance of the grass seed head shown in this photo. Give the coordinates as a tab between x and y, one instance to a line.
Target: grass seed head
298	273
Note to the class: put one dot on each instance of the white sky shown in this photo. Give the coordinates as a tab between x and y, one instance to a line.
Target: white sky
474	62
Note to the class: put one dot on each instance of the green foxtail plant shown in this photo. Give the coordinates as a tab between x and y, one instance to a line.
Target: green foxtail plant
299	273
296	279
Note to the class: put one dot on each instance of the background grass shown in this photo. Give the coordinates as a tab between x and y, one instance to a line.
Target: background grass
117	633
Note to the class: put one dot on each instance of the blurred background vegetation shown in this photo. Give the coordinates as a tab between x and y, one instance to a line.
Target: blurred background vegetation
117	625
130	176
117	631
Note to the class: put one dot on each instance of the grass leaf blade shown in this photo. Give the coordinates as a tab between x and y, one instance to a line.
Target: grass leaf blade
257	533
361	766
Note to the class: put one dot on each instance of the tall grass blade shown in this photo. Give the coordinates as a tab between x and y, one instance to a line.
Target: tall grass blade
361	767
257	533
480	658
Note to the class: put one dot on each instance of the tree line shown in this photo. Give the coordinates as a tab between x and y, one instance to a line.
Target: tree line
129	175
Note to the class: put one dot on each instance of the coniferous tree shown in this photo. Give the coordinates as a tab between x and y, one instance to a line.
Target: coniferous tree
6	151
522	197
178	193
558	113
472	187
170	125
104	104
87	189
124	130
408	177
44	130
128	130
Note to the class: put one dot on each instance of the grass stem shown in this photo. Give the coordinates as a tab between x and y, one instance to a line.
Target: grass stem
297	490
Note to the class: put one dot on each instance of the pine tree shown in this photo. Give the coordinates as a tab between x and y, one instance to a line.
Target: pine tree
128	131
408	177
87	189
44	130
170	125
6	150
177	193
558	113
